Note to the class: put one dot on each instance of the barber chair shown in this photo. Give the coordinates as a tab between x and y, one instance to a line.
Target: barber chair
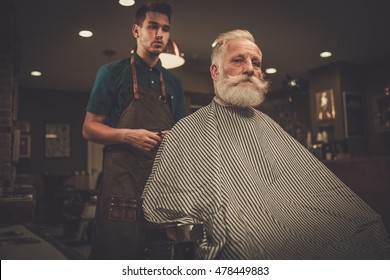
172	241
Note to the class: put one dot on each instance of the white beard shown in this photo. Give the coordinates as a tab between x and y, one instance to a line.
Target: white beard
241	91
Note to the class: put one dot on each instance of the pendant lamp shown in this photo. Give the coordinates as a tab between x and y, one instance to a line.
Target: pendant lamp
171	57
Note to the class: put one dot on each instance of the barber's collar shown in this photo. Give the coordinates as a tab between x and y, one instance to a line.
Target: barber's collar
144	66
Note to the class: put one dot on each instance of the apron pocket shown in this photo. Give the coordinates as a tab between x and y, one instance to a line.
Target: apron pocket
122	209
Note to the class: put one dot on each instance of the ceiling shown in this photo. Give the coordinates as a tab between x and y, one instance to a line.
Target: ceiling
291	35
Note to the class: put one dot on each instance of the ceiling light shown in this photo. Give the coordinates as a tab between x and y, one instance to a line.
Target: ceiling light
325	54
171	57
85	33
270	70
296	86
292	83
36	73
127	3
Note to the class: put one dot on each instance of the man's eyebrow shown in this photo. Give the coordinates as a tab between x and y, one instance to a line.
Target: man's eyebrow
156	23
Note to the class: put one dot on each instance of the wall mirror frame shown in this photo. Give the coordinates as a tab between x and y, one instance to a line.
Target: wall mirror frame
57	140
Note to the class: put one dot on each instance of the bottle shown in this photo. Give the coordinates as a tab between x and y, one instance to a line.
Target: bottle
308	140
328	152
317	147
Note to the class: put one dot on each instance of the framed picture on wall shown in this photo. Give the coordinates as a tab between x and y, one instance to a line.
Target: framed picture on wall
24	146
325	110
57	140
354	114
382	113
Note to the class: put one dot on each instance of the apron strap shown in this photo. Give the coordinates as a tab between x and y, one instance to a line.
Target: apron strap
162	97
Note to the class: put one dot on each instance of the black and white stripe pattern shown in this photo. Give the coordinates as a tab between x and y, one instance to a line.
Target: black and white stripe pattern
259	193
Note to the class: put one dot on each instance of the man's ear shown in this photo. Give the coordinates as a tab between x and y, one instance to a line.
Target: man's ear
214	71
135	30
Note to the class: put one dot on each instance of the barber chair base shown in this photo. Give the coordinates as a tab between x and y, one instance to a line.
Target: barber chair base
172	241
178	251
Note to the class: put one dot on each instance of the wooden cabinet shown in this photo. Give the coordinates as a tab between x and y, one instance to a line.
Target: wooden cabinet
342	82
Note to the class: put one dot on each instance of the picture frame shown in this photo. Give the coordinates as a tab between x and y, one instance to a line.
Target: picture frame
57	140
24	146
325	109
354	115
382	113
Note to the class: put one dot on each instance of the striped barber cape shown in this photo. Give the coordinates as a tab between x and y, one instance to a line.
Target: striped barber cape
259	193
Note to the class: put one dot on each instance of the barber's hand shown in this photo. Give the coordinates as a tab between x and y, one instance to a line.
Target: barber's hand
142	139
163	133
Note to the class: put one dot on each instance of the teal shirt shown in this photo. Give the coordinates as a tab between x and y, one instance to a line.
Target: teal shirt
112	90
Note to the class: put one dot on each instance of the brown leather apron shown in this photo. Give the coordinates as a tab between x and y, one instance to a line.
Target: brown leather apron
119	223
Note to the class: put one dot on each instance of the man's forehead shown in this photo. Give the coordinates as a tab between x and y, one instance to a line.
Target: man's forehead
242	46
156	18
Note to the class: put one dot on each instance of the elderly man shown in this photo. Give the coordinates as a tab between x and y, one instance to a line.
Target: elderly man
258	192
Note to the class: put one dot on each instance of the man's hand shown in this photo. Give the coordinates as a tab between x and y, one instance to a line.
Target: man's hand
163	133
142	139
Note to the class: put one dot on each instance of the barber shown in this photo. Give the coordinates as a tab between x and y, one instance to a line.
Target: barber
134	102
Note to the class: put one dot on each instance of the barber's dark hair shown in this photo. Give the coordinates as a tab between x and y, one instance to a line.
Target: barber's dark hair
157	7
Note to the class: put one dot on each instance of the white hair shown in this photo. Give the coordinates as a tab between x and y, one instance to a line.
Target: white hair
223	38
